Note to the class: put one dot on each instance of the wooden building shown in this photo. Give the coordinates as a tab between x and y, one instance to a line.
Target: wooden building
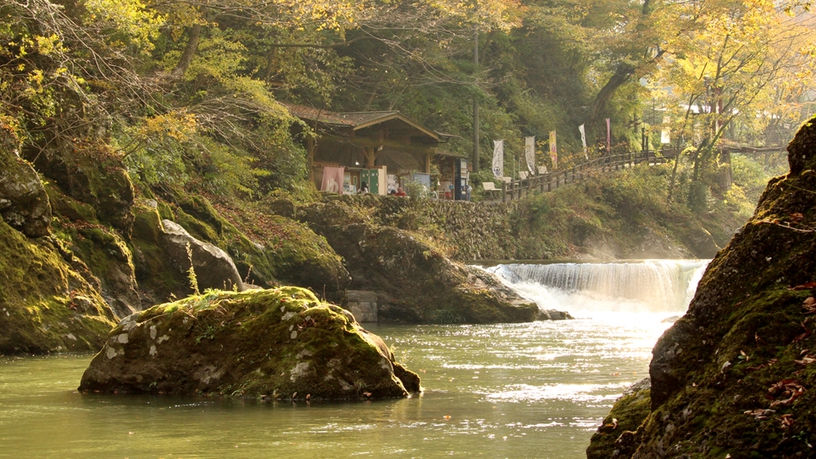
385	149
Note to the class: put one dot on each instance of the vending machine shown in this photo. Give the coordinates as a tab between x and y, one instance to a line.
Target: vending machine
460	182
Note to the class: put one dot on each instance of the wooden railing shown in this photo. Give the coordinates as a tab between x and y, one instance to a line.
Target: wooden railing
547	182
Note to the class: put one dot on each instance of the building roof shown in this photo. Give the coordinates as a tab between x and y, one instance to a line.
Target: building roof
357	120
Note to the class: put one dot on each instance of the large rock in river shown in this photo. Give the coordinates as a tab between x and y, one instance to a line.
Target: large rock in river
415	282
736	376
280	343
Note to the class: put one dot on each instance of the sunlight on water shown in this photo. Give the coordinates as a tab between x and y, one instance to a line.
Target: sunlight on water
504	390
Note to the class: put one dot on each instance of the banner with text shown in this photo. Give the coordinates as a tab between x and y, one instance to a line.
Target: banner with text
498	158
333	179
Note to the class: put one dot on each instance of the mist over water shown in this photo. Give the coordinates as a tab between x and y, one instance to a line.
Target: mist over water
587	289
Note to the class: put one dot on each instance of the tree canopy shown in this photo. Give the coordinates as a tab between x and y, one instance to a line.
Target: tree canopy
189	92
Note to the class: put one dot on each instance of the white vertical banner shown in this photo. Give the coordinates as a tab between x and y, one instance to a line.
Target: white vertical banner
583	140
608	136
529	153
498	158
553	150
665	133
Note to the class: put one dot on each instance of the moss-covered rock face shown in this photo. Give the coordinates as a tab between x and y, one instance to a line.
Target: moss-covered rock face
279	343
91	174
281	251
23	200
736	375
100	247
45	304
618	429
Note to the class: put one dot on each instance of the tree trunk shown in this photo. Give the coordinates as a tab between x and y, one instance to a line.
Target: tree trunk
622	74
189	52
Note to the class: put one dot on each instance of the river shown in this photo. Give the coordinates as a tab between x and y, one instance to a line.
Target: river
506	390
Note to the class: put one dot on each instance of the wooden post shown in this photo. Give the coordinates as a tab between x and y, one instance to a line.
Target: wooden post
504	191
370	156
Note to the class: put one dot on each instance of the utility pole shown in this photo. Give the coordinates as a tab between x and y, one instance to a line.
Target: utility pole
475	100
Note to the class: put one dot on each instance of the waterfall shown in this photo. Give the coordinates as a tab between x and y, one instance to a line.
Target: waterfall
634	286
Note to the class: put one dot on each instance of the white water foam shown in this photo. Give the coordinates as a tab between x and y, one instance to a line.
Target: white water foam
586	289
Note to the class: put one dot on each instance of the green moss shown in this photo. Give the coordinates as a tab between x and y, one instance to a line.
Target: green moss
284	251
69	207
146	224
271	343
626	415
45	305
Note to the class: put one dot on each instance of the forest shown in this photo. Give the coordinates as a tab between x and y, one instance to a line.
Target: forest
188	94
162	235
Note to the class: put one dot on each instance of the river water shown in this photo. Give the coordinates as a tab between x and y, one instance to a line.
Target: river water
506	390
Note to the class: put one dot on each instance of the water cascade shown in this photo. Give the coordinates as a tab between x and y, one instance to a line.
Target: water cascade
660	286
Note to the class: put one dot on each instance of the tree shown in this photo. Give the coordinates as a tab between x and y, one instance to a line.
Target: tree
725	84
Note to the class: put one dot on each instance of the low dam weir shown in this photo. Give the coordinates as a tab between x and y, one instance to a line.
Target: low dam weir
659	286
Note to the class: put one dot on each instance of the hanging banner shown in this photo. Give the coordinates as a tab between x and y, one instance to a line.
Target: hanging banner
583	140
553	151
608	136
529	153
332	179
498	158
665	133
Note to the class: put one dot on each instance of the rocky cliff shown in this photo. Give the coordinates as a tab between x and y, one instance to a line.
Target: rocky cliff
735	376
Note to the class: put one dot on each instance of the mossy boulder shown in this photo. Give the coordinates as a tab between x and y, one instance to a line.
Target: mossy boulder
211	266
158	280
278	343
414	281
46	305
735	376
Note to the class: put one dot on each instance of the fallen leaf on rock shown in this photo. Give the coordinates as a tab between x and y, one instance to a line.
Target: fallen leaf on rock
789	388
787	420
802	335
809	305
764	365
806	360
760	413
805	286
796	217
